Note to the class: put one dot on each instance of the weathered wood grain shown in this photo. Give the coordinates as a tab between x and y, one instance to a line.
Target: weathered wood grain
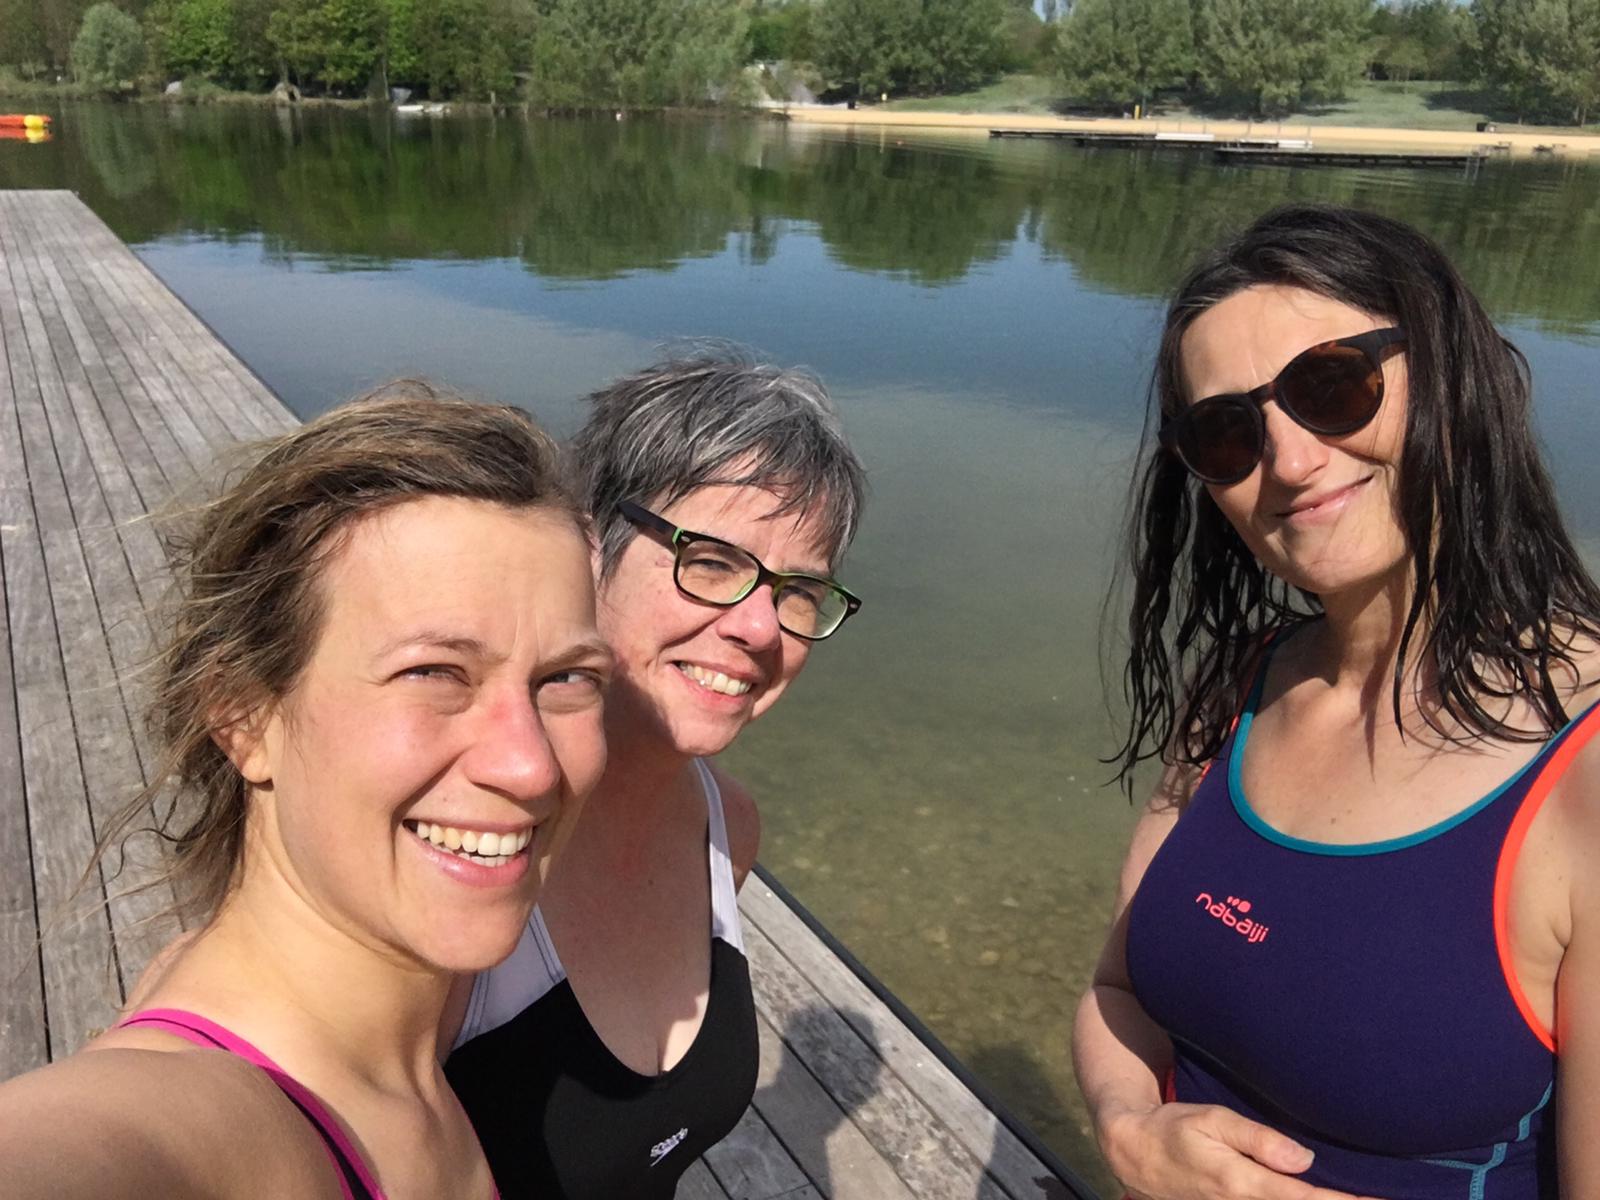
750	1164
698	1183
1016	1169
816	1132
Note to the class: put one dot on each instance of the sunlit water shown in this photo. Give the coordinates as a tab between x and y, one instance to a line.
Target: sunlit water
984	313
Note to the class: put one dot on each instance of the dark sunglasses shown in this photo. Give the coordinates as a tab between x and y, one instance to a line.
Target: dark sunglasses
713	571
1331	389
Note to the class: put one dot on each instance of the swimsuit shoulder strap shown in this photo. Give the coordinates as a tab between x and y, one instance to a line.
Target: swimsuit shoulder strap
724	896
356	1181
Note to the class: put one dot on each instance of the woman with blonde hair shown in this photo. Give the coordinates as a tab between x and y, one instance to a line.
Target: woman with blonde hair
381	702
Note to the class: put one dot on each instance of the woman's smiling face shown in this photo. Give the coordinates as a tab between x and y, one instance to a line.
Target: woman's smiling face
454	695
1319	512
689	672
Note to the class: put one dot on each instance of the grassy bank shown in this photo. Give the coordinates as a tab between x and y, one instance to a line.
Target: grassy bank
1371	104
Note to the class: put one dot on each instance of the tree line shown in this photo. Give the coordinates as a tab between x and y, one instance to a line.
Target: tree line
552	53
1540	58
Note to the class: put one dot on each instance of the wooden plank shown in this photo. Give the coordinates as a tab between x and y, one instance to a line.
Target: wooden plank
1016	1168
154	458
698	1183
816	1132
166	351
108	507
243	406
750	1164
927	1157
23	1040
77	959
108	739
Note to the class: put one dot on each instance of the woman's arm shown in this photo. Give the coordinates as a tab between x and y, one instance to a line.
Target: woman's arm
1166	1151
743	823
1578	981
128	1123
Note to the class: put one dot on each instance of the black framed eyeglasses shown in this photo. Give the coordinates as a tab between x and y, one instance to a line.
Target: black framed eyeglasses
713	571
1332	388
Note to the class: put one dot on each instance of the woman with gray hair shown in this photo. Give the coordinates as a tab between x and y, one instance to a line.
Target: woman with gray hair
618	1042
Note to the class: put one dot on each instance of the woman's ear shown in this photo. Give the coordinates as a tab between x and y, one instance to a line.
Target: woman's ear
244	740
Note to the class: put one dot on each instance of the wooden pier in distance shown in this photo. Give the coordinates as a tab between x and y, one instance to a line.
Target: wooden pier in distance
1275	151
114	397
1288	157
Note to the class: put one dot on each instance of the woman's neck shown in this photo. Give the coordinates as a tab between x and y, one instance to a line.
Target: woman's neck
647	792
310	991
1360	644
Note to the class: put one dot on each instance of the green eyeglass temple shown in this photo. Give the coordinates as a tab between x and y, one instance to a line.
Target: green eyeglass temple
678	537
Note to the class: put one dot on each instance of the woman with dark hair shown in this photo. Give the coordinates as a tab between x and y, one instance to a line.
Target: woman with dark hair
619	1041
380	703
1356	946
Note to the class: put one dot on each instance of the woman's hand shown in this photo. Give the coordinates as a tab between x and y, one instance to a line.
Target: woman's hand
1204	1152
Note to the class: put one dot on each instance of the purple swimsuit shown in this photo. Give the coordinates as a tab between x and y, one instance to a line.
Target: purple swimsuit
1357	997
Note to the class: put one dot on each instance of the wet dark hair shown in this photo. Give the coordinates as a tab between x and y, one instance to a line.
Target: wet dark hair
1501	593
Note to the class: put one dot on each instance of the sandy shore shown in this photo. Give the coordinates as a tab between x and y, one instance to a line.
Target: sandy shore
1572	145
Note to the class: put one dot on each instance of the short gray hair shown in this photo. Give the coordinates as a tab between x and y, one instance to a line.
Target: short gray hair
717	417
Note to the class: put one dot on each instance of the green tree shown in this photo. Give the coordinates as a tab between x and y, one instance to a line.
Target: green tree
1024	38
861	44
109	48
22	36
1274	55
781	30
1542	56
637	53
193	37
60	21
955	43
1442	31
335	44
469	48
1120	50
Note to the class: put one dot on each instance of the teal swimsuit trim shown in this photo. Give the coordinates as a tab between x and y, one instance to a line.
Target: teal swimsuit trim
1251	818
1480	1171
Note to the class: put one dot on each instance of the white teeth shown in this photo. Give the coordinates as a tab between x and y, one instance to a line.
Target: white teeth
715	681
485	849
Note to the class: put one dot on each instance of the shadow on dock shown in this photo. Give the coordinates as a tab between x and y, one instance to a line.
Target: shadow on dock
1026	1080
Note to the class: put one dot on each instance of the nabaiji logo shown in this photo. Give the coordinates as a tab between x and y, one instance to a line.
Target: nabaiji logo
1232	915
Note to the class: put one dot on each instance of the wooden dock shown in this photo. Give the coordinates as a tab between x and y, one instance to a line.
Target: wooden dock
114	397
1291	157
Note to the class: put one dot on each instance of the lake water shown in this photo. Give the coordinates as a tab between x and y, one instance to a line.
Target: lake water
985	314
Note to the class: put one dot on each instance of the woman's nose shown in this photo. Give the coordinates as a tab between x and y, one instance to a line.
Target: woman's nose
1292	454
753	622
511	752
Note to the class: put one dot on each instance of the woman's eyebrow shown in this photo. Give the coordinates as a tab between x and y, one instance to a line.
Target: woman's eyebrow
436	639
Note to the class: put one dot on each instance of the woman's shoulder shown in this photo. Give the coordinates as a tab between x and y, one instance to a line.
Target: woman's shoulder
742	820
130	1116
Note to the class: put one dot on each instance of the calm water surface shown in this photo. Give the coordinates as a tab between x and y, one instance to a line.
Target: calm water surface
984	313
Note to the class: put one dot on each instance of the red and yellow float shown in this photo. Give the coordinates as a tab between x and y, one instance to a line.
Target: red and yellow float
31	127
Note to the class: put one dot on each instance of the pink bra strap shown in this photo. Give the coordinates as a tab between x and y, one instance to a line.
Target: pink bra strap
192	1027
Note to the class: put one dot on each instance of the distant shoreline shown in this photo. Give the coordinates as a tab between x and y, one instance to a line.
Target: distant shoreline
1576	144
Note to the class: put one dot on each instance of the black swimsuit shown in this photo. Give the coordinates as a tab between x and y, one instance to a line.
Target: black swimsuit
559	1117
